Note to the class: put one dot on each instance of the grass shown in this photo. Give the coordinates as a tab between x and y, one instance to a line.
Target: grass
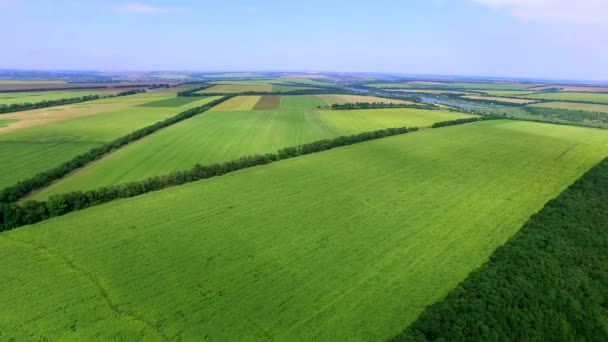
218	136
348	244
6	122
571	96
29	151
589	107
39	96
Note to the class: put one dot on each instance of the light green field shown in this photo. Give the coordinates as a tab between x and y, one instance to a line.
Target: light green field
452	85
27	152
5	123
275	81
590	107
38	96
347	244
218	136
572	96
508	93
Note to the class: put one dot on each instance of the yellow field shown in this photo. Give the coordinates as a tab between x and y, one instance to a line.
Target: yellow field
239	103
342	99
500	99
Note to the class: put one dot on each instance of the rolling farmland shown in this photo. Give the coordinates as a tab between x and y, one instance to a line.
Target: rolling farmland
572	96
500	99
28	150
351	243
590	107
39	96
221	135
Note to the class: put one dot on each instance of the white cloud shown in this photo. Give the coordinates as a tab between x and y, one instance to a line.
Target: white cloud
565	11
139	8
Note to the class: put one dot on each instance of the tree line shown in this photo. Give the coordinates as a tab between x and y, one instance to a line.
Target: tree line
548	283
462	121
14	215
16	107
14	193
379	105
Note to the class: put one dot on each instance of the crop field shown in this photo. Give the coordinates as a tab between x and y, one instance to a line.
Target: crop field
268	102
429	91
240	88
44	116
318	247
572	96
500	99
239	103
220	135
38	96
26	152
590	107
342	99
453	85
509	93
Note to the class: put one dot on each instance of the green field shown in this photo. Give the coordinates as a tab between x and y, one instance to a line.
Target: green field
571	96
38	96
348	244
589	107
5	122
29	151
509	93
452	85
223	135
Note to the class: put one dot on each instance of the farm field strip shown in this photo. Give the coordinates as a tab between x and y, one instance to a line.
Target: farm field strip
45	116
571	96
453	85
500	99
430	91
39	96
218	136
26	152
239	103
590	107
345	244
342	99
268	102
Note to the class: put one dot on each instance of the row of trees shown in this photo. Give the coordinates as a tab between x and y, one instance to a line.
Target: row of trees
461	121
379	105
14	193
16	107
548	283
13	215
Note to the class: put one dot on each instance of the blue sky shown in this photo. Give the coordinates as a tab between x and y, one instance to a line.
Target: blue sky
519	38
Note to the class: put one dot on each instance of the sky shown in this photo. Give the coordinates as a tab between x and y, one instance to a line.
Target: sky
559	39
